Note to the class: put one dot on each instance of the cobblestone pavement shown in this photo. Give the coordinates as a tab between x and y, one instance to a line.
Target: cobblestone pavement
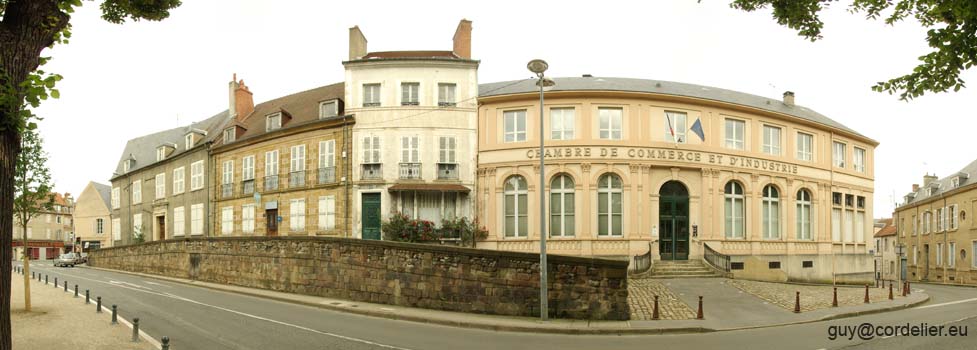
812	297
641	298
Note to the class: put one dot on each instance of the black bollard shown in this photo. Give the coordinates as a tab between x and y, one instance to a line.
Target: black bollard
866	294
76	291
98	305
797	303
165	344
890	291
115	311
87	298
834	301
135	329
654	314
909	288
698	315
45	279
55	282
65	286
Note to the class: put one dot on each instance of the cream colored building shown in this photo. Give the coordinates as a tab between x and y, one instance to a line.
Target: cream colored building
49	232
414	139
784	191
885	250
93	221
936	227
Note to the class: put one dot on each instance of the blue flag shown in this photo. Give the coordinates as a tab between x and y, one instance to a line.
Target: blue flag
697	129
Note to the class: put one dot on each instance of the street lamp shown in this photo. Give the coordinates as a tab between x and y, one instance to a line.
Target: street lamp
538	67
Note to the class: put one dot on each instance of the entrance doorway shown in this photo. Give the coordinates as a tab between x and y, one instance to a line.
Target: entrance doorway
371	216
673	221
161	227
926	261
271	220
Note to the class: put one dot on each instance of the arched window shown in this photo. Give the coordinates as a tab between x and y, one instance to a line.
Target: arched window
609	222
803	214
771	212
515	204
735	211
561	206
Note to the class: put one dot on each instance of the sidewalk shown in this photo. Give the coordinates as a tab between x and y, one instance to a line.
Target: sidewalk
59	321
725	309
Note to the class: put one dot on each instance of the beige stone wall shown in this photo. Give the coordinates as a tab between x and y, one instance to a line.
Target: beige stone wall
926	267
88	209
415	275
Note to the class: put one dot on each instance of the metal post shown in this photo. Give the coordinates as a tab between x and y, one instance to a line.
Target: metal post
543	299
76	291
115	312
165	344
66	286
87	298
45	279
834	301
55	282
866	294
909	288
135	329
698	315
98	305
890	291
797	302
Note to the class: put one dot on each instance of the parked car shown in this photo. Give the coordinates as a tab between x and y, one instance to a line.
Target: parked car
69	259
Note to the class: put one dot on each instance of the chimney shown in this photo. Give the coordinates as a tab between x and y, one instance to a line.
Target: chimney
915	187
789	98
927	179
231	105
463	39
357	43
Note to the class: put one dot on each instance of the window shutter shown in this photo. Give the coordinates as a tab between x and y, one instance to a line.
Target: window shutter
366	149
414	151
451	150
404	152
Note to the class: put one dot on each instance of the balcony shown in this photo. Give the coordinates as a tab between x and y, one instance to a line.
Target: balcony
296	179
446	104
326	175
372	172
271	183
447	171
410	171
227	190
247	187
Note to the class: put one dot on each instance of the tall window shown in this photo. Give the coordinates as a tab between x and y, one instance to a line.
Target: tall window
99	226
179	223
609	206
297	166
160	153
939	254
179	180
371	149
228	174
849	225
247	168
327	212
771	140
227	220
409	94
409	152
940	216
675	122
296	214
327	154
515	193
115	198
951	256
514	125
561	206
805	146
973	254
196	175
160	185
136	225
859	160
371	95
952	216
838	154
273	122
328	109
117	229
771	212
610	123
137	192
447	165
446	95
561	123
735	134
197	219
735	210
188	141
803	215
247	218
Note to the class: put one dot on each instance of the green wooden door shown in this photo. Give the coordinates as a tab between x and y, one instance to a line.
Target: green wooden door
673	222
371	216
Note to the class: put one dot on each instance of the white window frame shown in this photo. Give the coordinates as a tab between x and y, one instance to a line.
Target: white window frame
410	93
447	150
273	121
160	183
136	192
197	219
805	146
136	225
518	213
247	218
803	215
271	163
227	220
371	149
327	154
99	226
297	158
838	154
953	215
179	221
562	123
160	153
939	254
115	197
770	209
328	109
858	161
558	211
514	126
188	141
197	175
247	168
296	214
679	125
610	123
327	212
772	140
735	133
735	217
371	95
227	175
447	94
410	149
951	256
179	180
116	229
229	135
610	191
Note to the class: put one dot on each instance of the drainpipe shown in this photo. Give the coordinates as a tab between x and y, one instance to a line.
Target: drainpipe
347	151
830	206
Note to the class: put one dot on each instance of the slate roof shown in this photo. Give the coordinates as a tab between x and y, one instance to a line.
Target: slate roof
944	185
143	148
665	88
888	230
105	192
303	107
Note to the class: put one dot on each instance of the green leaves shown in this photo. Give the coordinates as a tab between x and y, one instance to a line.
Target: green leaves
118	11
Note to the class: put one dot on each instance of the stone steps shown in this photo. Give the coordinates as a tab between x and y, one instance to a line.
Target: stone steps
681	269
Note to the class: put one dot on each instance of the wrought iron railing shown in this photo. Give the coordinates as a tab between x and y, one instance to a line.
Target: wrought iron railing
270	183
410	171
447	171
247	187
227	190
296	179
372	171
717	260
641	263
326	175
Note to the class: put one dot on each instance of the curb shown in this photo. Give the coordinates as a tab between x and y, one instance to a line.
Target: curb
505	328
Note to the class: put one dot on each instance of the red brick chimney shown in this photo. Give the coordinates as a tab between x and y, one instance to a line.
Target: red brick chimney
463	39
240	100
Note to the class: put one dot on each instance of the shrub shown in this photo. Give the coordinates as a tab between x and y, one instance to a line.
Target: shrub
461	228
401	228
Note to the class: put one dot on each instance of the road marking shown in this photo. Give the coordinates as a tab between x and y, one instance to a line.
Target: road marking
156	284
947	303
129	284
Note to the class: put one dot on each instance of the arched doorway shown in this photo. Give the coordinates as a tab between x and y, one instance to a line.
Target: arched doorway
673	221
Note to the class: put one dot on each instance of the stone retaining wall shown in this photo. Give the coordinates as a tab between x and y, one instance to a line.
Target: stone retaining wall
415	275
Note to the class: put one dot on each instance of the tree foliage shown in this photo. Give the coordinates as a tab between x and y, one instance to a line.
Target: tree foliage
32	188
952	34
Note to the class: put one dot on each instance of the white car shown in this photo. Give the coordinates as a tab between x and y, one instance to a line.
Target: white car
69	259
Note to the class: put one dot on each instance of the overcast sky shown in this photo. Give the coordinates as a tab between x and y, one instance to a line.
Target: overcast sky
123	81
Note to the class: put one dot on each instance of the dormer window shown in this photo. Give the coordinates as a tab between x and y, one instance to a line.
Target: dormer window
127	164
328	109
955	182
229	135
273	122
160	153
188	141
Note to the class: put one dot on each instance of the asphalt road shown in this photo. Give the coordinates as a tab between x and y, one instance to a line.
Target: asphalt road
201	318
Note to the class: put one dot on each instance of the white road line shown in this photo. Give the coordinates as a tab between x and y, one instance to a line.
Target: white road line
947	303
172	296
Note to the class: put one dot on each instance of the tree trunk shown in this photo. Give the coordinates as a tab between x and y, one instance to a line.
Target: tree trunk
9	148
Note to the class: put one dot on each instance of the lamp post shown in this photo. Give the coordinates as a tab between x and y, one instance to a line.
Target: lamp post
538	67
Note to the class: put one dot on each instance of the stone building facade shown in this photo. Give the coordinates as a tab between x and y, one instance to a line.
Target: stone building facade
49	233
93	218
282	166
635	164
937	231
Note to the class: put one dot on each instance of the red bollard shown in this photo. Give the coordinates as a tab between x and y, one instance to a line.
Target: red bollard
797	303
654	315
698	316
866	294
909	288
834	302
904	288
890	291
